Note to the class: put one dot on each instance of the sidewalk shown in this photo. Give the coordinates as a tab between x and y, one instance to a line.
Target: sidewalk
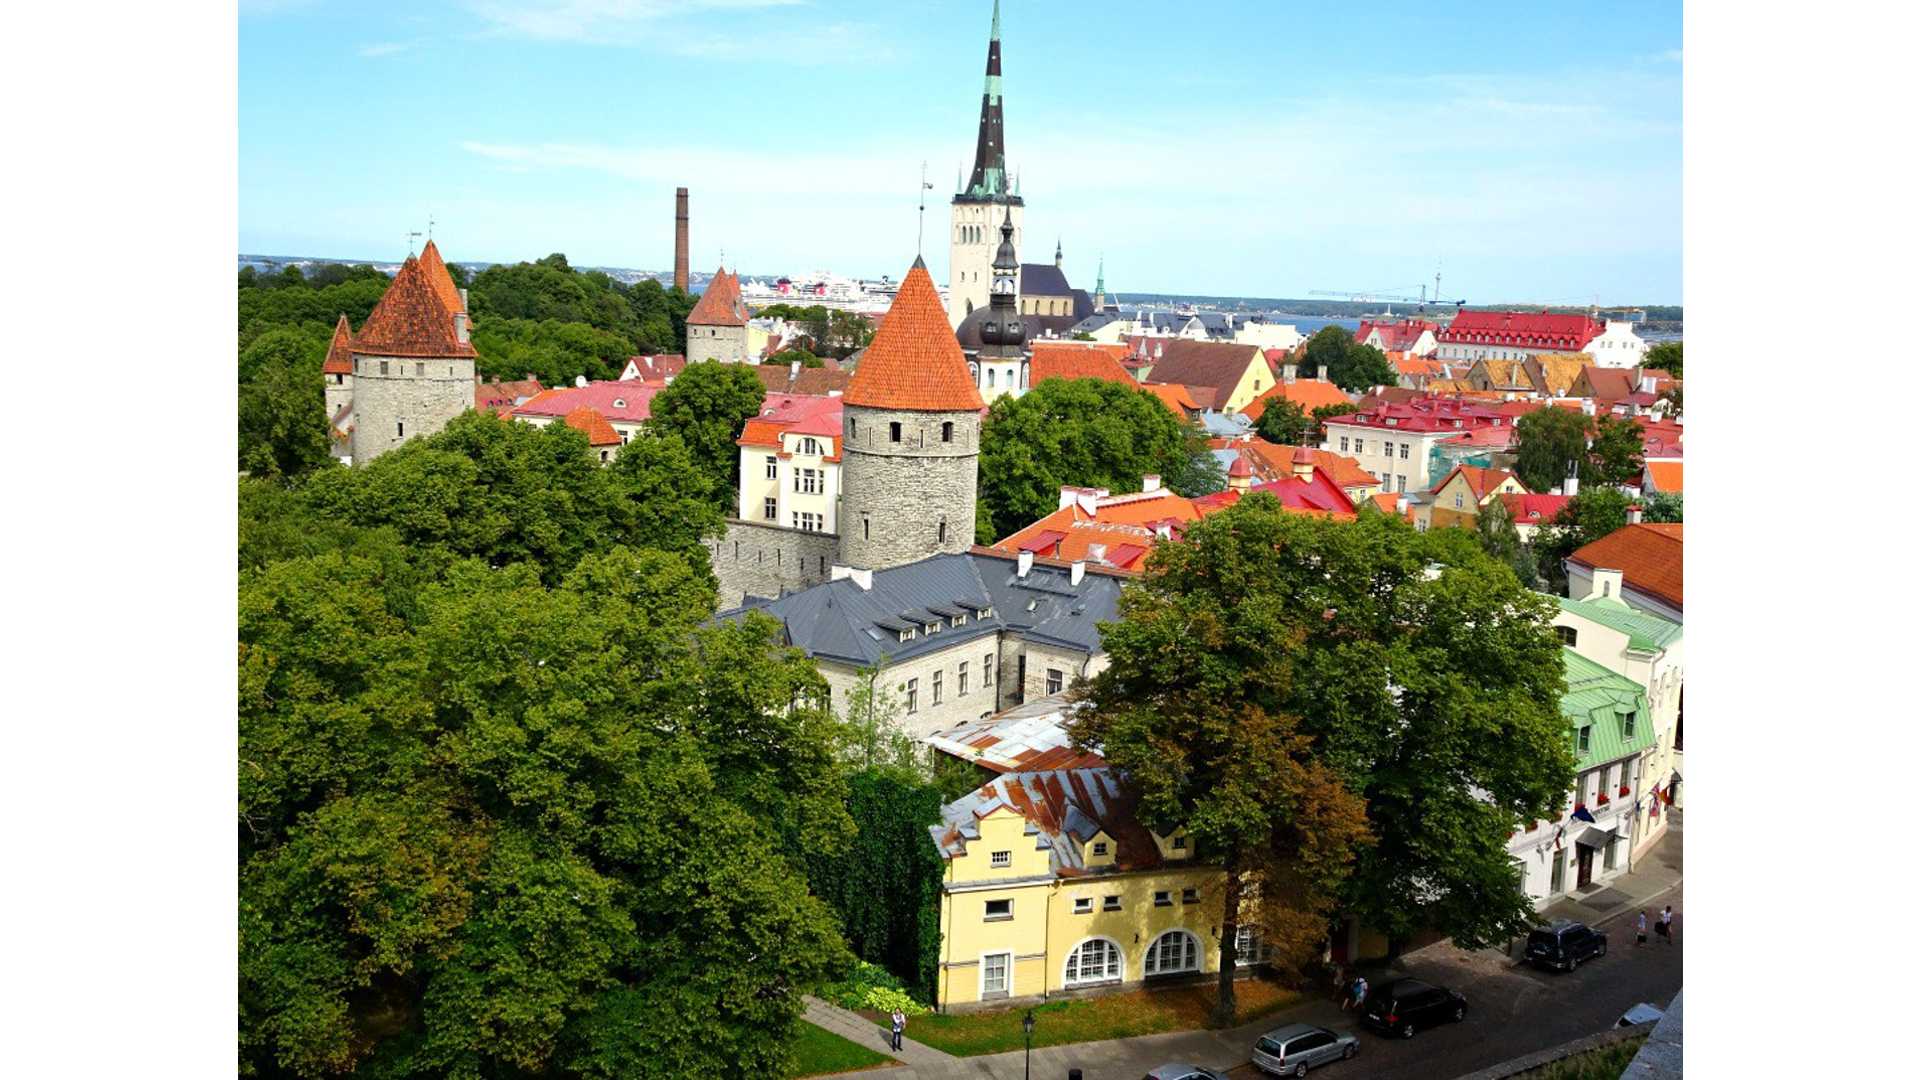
858	1029
1657	873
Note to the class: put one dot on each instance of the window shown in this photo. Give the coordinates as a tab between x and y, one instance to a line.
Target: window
1055	680
1401	483
603	457
998	910
806	481
1100	848
420	368
1627	724
773	467
943	531
893	431
1568	635
770	508
1403	451
400	428
1249	949
1110	903
996	971
807	522
383	367
1457	500
989	378
866	527
1359	446
913	690
1083	905
1343	444
1585	741
810	447
986	670
1162	898
1095	960
1387	449
1189	896
959	620
1179	843
1002	860
946	431
937	676
1175	950
961	680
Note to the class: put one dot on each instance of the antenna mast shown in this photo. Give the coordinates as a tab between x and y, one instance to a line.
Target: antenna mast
411	237
920	237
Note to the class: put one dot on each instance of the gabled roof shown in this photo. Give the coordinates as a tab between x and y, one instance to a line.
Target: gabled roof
795	414
410	320
1608	384
1504	374
1395	336
340	349
720	304
1309	394
1479	481
657	367
1214	365
1059	360
1065	809
627	402
588	420
1174	396
1648	556
1666	476
438	276
1534	509
502	397
1554	375
1044	279
914	361
813	382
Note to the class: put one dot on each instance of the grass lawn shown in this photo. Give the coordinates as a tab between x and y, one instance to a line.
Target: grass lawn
818	1051
1113	1016
1606	1063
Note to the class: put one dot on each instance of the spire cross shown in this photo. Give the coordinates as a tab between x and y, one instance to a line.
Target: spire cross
919	240
411	237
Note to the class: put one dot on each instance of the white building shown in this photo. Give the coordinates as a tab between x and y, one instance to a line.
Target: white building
790	464
1618	346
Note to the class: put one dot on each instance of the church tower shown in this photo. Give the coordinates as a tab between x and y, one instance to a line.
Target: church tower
971	241
994	340
910	438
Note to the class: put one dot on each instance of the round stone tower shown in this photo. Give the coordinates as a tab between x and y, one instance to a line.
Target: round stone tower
910	438
413	360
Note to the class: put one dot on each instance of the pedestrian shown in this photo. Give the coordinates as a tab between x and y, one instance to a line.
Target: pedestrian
1359	993
1665	927
1640	926
899	1028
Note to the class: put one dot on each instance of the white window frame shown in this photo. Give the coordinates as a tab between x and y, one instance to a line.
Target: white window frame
986	910
1114	968
1002	860
1163	898
1099	849
1111	903
1190	962
1083	905
1007	990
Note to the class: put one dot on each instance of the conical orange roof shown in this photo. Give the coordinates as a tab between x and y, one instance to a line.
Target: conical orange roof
720	305
410	320
914	361
340	350
440	279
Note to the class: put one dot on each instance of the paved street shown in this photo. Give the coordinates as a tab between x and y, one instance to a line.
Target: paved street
1513	1010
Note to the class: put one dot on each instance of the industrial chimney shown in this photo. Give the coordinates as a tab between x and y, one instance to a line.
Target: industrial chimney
680	239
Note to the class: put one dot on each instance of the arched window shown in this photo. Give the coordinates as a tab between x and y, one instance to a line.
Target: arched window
810	447
989	378
1095	960
1173	951
946	431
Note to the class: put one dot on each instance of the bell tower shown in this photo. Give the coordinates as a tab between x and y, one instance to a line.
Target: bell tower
971	242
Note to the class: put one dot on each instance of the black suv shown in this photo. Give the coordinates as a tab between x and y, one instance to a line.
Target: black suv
1565	945
1406	1005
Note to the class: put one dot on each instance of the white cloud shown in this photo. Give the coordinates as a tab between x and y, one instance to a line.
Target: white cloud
600	22
383	48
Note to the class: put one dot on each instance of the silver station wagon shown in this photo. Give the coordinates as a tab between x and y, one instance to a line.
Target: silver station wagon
1295	1048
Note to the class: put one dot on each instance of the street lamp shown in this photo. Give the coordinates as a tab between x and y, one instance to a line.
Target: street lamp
1026	1025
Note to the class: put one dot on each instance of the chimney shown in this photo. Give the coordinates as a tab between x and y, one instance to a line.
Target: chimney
1606	584
1026	563
1400	506
1150	482
460	326
680	239
1289	370
463	299
1587	406
1097	552
1634	513
862	578
1076	572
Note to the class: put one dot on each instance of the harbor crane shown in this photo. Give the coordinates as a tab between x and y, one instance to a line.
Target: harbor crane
1391	297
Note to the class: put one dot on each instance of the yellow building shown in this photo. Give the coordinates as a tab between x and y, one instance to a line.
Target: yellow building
1052	887
1458	499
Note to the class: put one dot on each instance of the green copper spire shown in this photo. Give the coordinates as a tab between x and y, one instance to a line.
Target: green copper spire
989	179
1100	278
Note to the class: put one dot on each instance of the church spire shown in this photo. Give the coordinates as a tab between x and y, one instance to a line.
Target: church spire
990	152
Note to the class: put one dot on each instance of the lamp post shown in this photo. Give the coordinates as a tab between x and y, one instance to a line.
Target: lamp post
1026	1025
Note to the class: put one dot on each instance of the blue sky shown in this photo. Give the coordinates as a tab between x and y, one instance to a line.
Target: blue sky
1530	151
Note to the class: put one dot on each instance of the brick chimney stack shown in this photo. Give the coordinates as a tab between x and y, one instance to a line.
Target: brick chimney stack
680	239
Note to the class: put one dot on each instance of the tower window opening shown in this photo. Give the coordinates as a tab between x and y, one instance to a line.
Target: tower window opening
946	431
893	430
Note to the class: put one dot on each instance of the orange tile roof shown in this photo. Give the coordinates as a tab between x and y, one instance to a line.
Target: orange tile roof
720	305
1647	555
587	419
440	279
914	361
410	320
340	349
1309	394
1385	501
1174	396
1062	361
1667	475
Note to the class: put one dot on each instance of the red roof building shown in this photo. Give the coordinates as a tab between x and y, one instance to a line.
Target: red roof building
501	398
720	304
1062	360
411	320
1651	564
1529	512
657	368
340	350
1309	394
914	361
1401	336
588	420
1513	335
623	403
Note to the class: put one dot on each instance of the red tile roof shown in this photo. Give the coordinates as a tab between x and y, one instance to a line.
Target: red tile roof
410	320
598	431
1053	360
914	361
658	367
1550	333
720	305
1309	394
1211	368
1425	414
340	349
501	397
1607	384
795	414
1666	475
1534	509
1173	396
1317	495
628	402
1647	555
1395	336
436	270
813	382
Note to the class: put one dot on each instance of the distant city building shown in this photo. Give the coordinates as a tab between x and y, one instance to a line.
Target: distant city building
1415	337
1512	335
1397	442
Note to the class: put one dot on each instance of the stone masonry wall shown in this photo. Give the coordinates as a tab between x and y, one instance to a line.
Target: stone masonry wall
727	344
897	495
338	393
421	393
954	707
762	560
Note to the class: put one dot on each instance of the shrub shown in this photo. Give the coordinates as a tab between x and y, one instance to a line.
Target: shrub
871	986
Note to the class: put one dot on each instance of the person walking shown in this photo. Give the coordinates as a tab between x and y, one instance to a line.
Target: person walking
1358	997
899	1028
1665	926
1640	929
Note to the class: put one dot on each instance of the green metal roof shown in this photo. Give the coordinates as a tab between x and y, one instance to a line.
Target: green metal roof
1646	632
1600	699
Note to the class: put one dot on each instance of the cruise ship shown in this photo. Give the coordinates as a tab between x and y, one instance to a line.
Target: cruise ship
824	289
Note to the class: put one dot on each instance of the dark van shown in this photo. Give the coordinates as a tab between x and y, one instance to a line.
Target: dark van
1565	945
1407	1005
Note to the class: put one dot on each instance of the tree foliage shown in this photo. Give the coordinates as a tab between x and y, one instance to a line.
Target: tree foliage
1087	432
1500	539
707	406
1664	506
826	331
1587	517
789	357
1546	441
1285	422
283	412
1346	363
1665	356
886	885
1614	456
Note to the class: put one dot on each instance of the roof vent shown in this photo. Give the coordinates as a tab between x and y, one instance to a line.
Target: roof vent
579	380
1078	571
619	403
1026	563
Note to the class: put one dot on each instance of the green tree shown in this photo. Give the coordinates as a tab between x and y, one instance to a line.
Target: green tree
1284	422
886	885
873	735
1590	515
789	357
1666	356
708	406
1345	362
1546	441
1197	472
1614	453
550	350
1086	432
1664	506
288	346
1501	540
283	412
1326	412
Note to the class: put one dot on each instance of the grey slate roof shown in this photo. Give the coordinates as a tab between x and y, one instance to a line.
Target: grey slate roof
841	621
1225	425
1043	279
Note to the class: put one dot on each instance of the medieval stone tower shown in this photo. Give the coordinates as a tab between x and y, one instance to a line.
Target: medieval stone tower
972	241
910	437
412	360
717	325
337	370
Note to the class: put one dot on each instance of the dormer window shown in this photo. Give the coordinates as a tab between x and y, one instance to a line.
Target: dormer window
1100	849
1583	742
1627	724
1180	843
959	620
619	403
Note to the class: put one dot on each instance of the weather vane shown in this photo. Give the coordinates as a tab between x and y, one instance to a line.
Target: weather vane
411	237
920	238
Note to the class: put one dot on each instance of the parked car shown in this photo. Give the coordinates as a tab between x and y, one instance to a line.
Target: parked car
1407	1005
1642	1013
1184	1072
1565	945
1295	1048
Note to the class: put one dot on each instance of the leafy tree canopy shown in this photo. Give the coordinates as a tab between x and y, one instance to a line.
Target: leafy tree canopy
1346	363
789	357
1665	356
1663	506
1587	517
283	412
707	406
1285	422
